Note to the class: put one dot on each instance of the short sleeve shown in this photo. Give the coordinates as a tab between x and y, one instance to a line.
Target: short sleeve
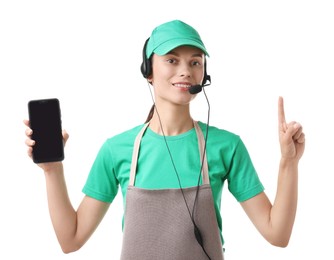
243	180
102	183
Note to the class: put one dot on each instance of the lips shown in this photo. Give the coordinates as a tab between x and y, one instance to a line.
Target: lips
182	86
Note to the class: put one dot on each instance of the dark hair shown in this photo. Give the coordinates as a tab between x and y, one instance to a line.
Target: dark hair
150	114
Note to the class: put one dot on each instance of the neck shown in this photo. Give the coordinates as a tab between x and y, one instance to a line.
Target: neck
174	120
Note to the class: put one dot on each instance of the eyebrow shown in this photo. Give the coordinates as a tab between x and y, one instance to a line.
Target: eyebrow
194	55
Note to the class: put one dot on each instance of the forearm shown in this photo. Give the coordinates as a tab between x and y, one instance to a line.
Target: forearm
275	221
283	211
62	213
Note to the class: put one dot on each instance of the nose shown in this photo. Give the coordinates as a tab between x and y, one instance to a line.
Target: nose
184	70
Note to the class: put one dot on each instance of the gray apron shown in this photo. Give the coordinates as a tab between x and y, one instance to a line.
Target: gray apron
157	224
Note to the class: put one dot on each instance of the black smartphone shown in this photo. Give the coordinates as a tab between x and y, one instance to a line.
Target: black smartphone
45	122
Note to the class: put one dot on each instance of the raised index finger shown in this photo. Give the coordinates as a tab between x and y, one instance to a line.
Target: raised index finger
281	114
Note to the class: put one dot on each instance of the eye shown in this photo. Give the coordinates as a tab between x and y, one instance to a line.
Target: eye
196	63
172	61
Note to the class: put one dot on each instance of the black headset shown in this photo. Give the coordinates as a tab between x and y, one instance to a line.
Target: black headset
146	66
146	70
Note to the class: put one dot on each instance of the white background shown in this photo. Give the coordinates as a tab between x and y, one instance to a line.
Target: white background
88	53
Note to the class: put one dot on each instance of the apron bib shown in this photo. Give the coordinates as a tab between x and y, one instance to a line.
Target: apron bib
157	224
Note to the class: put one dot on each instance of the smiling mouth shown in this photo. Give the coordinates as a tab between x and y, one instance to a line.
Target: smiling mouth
182	86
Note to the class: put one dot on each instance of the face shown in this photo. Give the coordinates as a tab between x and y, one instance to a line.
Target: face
173	73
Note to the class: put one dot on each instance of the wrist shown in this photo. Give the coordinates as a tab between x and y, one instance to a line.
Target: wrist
53	168
287	163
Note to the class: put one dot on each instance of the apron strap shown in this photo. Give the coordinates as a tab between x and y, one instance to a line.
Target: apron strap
201	147
135	153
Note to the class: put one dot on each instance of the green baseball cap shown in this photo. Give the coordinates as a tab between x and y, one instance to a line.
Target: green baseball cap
170	35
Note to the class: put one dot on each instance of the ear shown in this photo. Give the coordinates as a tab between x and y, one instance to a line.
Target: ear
150	79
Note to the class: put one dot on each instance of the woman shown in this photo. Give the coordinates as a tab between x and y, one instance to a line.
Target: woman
172	169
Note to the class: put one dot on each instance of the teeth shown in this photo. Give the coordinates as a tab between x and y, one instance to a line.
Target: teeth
181	86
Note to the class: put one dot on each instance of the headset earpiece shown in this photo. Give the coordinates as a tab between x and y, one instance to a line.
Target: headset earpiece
206	76
146	66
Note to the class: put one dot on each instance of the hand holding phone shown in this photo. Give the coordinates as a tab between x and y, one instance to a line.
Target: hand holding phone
45	122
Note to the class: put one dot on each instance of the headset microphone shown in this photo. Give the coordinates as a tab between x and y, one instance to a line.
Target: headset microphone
195	89
198	88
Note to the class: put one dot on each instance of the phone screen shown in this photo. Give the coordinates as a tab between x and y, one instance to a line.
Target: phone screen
45	122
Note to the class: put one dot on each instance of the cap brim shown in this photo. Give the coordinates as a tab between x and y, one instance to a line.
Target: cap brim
167	46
